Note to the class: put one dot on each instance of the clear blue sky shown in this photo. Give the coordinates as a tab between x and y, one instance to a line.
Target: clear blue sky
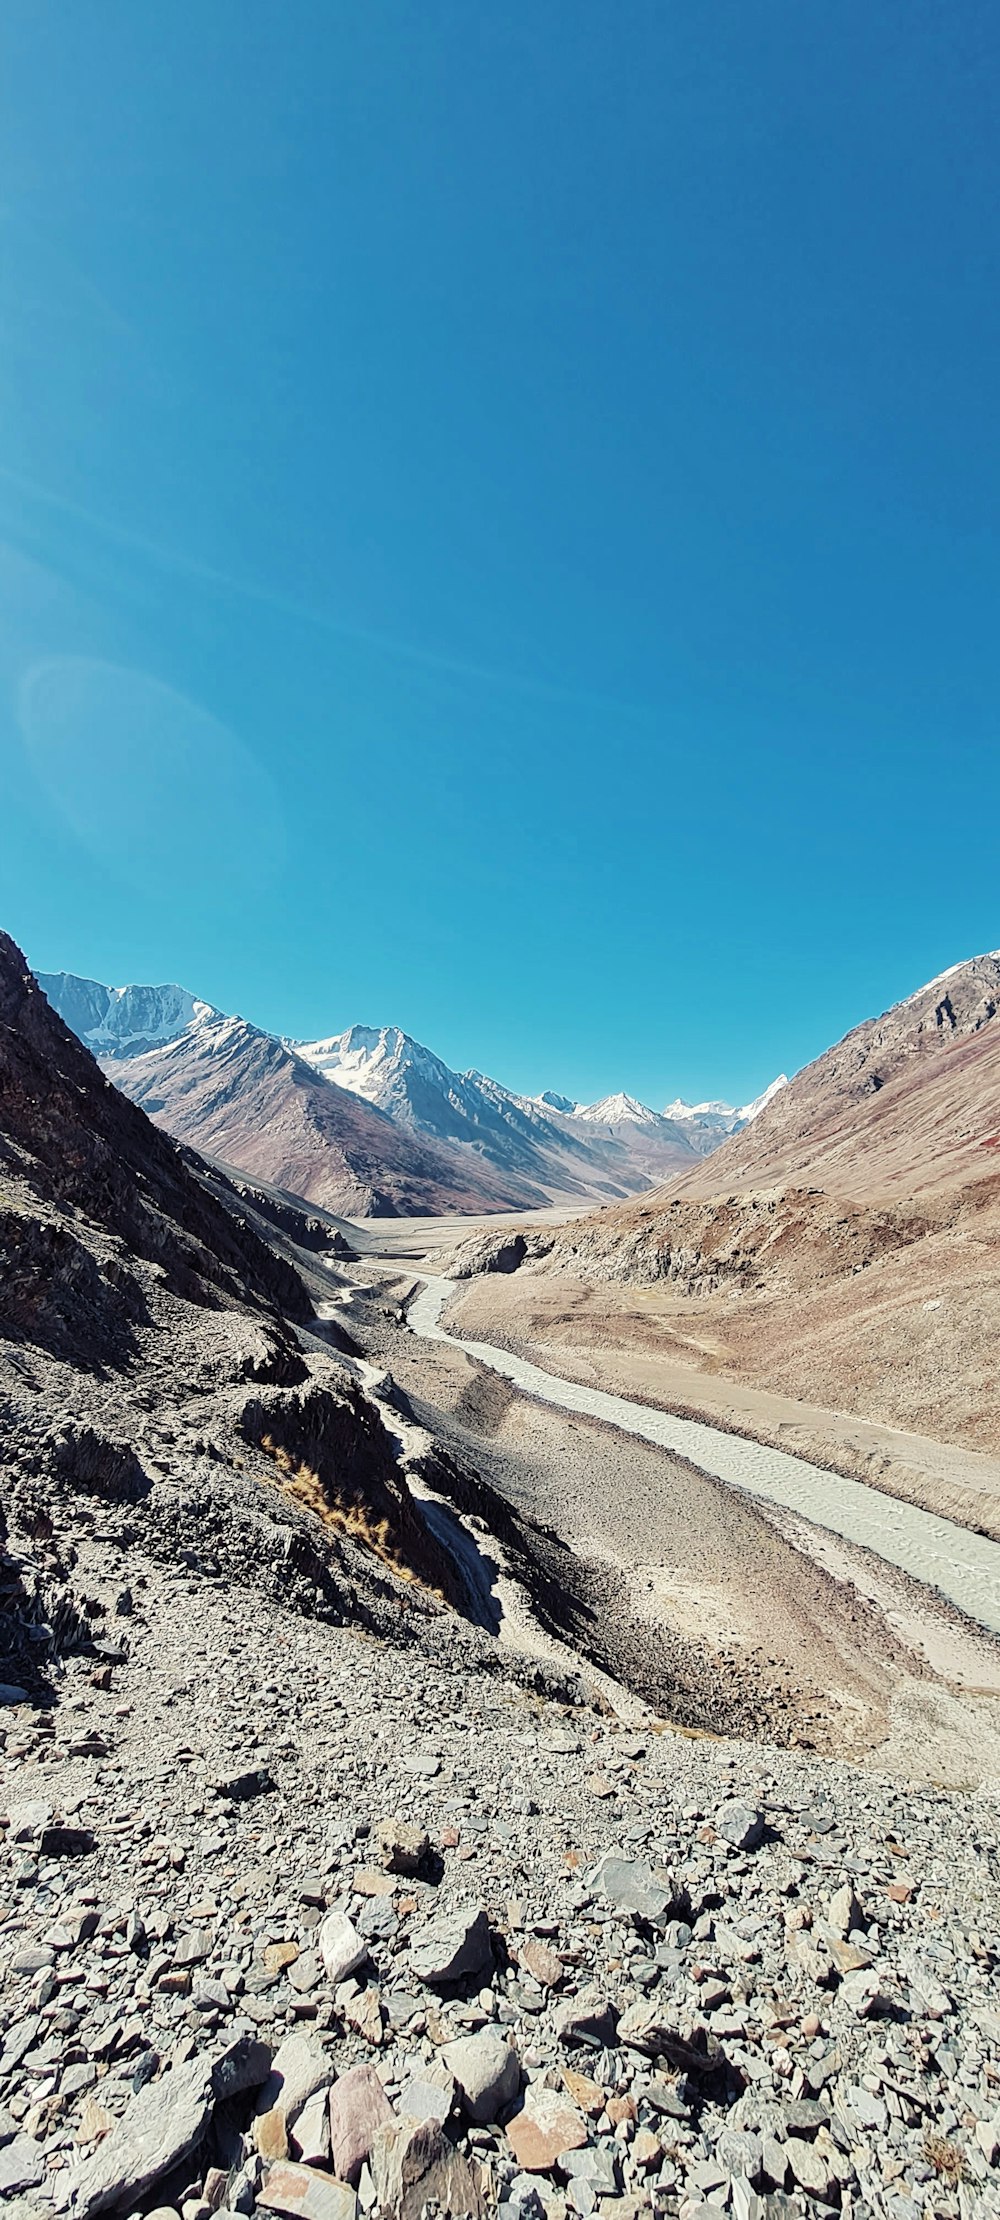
499	516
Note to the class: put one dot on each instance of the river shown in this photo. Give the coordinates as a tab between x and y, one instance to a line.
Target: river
962	1566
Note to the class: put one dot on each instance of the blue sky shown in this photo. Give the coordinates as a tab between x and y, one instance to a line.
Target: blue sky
498	517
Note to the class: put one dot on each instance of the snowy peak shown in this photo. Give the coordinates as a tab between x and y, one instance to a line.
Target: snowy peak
548	1101
370	1060
753	1109
618	1110
123	1021
726	1112
707	1124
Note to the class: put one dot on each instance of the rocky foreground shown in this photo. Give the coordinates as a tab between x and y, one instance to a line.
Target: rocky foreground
296	1922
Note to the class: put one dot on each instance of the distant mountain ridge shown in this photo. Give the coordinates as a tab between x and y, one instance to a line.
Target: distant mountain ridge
367	1121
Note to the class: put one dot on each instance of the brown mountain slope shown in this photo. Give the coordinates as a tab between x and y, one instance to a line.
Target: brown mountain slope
157	1369
235	1092
906	1103
844	1249
84	1147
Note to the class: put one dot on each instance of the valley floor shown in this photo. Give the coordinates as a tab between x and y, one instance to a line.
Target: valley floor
651	1345
672	1576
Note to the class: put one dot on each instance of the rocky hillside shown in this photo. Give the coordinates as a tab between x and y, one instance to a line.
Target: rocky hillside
161	1369
237	1093
906	1103
845	1247
296	1925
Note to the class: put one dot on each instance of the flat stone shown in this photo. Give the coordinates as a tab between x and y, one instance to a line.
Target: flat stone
629	1884
931	2001
159	2127
588	2094
427	2097
805	2116
192	1949
278	1955
744	2202
298	2070
665	2097
301	2193
76	2079
738	2150
34	1959
27	1820
93	2122
543	1963
369	1880
809	2168
241	1787
774	2161
595	2165
364	2014
862	1994
341	1948
414	2166
452	1947
245	2065
487	2074
424	1763
848	1957
546	2126
21	2165
305	1973
868	2110
843	1912
378	1918
359	2107
10	1693
309	2139
270	2135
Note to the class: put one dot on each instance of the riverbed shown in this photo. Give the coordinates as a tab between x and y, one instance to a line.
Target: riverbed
962	1566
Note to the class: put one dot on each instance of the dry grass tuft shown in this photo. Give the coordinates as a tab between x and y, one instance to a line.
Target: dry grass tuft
348	1516
947	2159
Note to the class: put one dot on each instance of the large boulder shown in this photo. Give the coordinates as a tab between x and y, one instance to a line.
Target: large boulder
487	2074
452	1947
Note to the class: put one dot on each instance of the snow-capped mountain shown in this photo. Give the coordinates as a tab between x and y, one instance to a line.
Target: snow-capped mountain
544	1139
618	1110
369	1121
707	1124
549	1101
122	1021
241	1095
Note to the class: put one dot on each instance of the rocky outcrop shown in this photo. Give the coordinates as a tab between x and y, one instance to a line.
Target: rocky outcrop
152	1376
80	1145
904	1105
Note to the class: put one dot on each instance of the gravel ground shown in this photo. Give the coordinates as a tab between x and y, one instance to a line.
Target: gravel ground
778	1997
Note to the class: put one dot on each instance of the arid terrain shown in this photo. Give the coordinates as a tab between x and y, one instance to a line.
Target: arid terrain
420	1799
831	1275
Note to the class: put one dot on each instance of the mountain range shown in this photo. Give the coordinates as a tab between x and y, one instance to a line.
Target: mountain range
368	1122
